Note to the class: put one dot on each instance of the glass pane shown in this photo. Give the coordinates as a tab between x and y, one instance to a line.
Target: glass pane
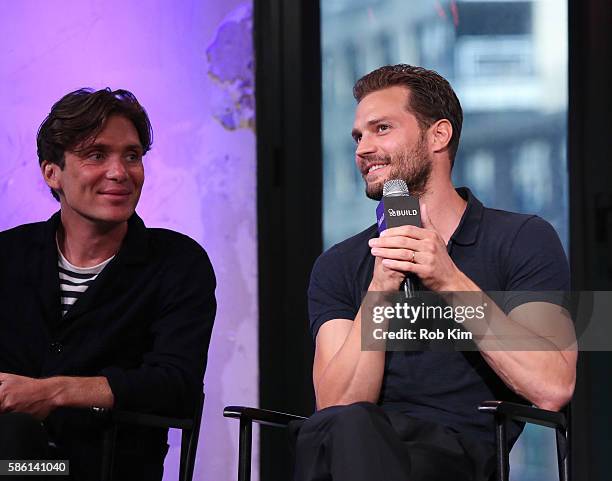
507	60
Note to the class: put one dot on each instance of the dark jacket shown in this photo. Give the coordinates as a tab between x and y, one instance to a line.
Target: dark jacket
145	323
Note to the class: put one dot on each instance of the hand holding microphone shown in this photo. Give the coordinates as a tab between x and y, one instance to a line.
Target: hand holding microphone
396	209
409	244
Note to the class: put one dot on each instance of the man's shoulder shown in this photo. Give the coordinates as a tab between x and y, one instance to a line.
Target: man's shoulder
175	257
19	245
508	225
173	242
338	278
22	232
172	237
502	218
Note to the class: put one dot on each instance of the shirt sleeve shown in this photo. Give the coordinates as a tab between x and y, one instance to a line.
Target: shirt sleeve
537	266
169	378
329	293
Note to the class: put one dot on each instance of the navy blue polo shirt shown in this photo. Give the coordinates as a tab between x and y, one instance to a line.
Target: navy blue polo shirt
497	250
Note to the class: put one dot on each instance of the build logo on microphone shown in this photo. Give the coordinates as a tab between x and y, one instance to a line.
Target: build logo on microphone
401	212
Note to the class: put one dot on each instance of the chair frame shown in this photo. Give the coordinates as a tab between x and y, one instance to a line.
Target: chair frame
502	411
507	411
190	432
247	417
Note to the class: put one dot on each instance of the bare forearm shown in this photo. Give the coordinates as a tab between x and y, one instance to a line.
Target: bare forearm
352	375
541	368
80	391
546	378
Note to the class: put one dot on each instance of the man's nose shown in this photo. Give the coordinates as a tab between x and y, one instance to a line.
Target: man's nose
117	169
365	146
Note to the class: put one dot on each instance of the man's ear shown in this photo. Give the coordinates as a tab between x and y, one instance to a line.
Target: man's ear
50	172
441	135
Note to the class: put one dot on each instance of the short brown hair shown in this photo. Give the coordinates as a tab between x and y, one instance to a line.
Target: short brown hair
431	96
81	115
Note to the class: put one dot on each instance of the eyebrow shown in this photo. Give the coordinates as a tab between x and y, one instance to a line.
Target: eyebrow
375	121
134	147
101	146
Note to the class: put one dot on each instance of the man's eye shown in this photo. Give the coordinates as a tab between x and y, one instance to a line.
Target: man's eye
134	157
383	127
357	138
96	156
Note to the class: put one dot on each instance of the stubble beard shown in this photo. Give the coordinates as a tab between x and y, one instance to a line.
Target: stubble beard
412	166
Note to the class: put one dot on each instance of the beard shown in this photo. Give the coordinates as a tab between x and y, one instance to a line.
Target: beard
413	166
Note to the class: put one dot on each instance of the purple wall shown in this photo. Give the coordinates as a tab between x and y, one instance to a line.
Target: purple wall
190	64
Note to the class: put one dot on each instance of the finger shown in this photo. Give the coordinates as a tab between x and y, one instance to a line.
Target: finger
396	242
403	266
405	231
397	254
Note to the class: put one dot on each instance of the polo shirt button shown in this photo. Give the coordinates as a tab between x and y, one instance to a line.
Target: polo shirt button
56	347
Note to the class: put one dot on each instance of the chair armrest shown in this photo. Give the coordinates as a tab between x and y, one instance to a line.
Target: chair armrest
521	412
142	419
261	416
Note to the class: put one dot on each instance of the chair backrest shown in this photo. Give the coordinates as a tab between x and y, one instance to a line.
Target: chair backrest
562	438
564	450
190	432
189	443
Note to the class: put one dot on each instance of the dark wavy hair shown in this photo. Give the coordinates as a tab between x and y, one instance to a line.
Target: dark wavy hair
81	115
431	96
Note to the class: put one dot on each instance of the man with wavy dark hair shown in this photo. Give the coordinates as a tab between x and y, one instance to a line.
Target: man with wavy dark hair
412	416
98	310
79	116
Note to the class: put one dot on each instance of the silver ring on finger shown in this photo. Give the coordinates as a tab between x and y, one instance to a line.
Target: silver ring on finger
413	256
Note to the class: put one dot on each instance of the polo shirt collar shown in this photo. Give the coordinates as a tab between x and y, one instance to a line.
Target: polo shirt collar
467	230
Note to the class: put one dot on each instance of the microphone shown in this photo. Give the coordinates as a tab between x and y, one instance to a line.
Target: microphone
397	208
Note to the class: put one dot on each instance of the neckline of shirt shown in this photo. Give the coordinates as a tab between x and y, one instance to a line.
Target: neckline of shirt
84	270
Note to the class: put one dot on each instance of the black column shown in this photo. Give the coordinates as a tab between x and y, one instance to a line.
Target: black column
289	160
590	163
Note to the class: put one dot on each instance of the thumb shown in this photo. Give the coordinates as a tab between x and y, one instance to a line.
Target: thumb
425	220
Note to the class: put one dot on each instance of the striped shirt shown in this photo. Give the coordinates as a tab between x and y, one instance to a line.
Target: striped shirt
74	280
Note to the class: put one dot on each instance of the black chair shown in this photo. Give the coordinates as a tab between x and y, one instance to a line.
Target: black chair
506	411
503	412
247	417
190	428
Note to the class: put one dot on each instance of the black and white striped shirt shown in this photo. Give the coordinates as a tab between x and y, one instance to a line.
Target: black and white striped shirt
74	280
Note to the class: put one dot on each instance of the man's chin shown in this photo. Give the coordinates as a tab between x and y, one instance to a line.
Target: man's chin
374	190
110	217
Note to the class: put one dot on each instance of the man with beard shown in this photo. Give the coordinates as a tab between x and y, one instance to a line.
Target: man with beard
412	416
97	309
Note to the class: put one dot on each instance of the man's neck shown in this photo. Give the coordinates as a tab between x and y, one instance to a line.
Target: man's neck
85	244
445	206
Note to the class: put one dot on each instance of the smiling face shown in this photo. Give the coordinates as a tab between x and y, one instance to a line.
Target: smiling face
390	142
102	177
